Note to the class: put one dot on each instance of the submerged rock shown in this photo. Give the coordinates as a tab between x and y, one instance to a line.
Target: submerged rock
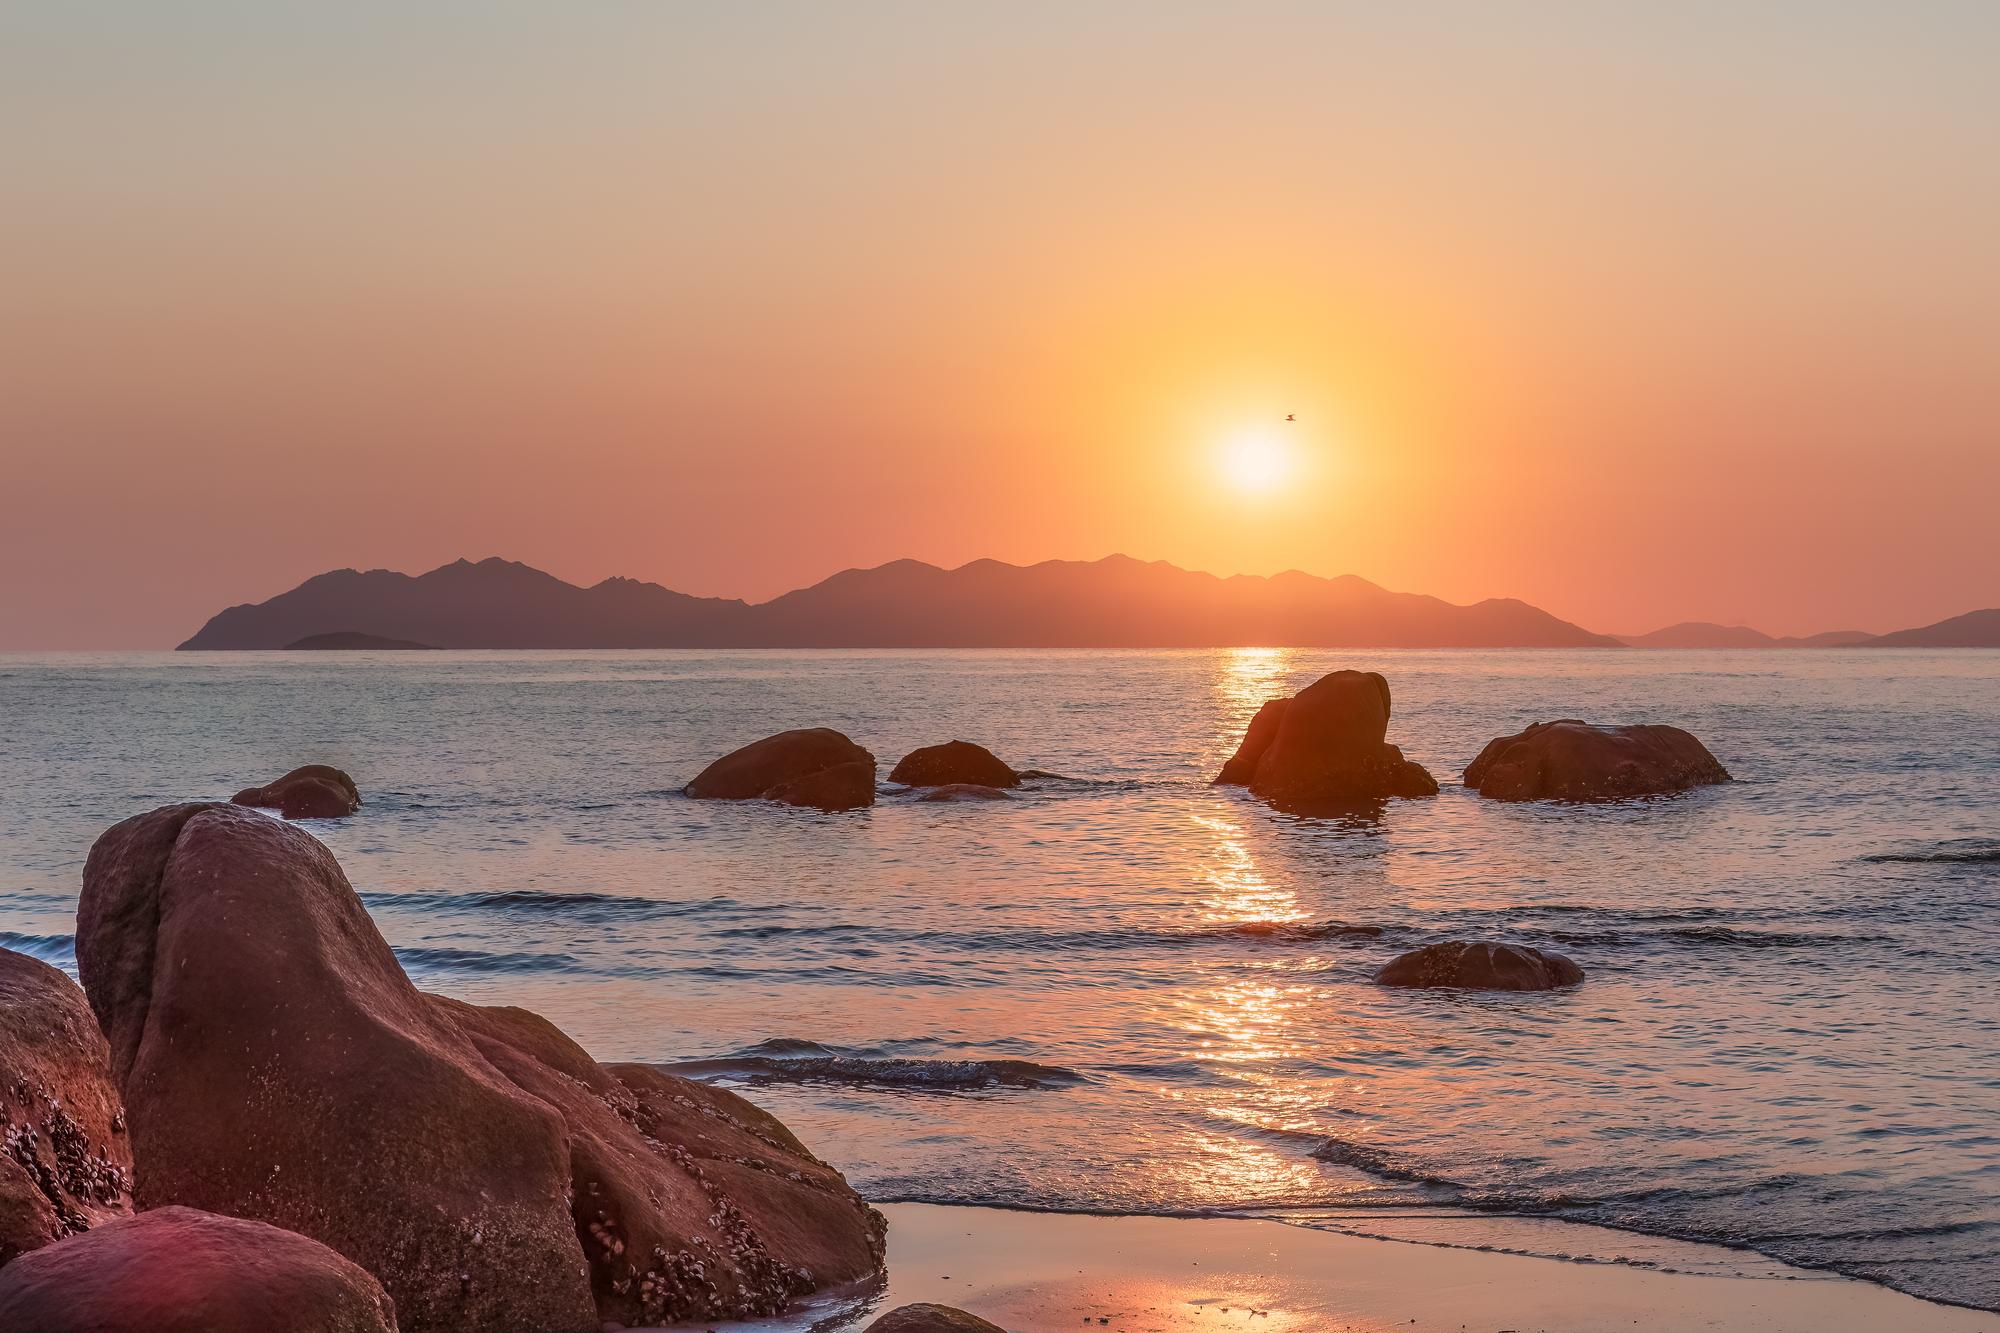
1576	761
1478	965
953	764
963	791
475	1160
813	766
924	1317
178	1270
65	1163
1324	748
315	791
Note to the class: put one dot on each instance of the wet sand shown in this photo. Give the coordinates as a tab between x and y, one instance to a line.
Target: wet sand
1034	1271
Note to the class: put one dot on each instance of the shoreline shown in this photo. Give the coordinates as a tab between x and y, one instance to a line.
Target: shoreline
1026	1270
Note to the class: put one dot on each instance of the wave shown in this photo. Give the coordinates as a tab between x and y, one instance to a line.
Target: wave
441	958
791	1060
1301	931
1961	851
1698	937
583	906
56	950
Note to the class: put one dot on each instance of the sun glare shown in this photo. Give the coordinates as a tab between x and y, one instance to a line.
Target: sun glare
1257	461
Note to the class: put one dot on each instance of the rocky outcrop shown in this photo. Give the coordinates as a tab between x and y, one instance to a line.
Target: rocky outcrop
474	1160
1325	748
813	766
1576	761
65	1162
690	1202
955	763
1477	965
178	1270
315	791
924	1317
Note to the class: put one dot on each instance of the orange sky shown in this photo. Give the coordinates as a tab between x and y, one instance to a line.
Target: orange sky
1641	318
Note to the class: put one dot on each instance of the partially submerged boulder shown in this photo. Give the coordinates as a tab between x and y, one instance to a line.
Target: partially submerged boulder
953	764
813	766
178	1270
1324	748
313	791
925	1317
65	1161
476	1160
1577	761
1478	965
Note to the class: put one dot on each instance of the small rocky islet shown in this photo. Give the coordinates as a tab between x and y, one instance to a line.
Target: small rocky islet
421	1164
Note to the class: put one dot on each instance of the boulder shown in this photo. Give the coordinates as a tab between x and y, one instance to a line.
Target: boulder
690	1202
813	766
963	791
65	1162
953	764
276	1064
178	1270
476	1160
927	1318
1576	761
1477	965
315	791
1324	748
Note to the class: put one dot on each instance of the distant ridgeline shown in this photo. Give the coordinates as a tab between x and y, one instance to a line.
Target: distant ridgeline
1117	602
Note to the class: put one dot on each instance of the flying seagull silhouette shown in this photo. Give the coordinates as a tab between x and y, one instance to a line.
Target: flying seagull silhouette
1290	417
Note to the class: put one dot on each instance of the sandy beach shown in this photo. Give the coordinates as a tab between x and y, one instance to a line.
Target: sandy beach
1032	1271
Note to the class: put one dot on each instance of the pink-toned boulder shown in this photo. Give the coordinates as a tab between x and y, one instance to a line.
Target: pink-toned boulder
1324	749
65	1162
475	1160
1478	965
315	791
1576	761
925	1317
178	1270
813	766
953	764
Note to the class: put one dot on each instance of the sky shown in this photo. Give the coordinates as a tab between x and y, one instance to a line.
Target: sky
1639	313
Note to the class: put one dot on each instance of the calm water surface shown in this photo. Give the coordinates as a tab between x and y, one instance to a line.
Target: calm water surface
1121	992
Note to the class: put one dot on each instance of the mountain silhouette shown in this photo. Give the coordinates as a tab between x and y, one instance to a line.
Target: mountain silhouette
1703	634
1116	602
1974	629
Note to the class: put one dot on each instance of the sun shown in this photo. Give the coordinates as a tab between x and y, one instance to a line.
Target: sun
1257	461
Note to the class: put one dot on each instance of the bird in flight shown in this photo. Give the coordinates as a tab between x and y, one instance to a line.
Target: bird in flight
1290	417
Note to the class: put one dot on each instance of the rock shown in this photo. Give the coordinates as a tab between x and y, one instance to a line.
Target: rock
65	1162
963	791
690	1202
276	1064
927	1318
1477	965
953	764
316	791
177	1270
476	1160
1324	750
814	766
1575	761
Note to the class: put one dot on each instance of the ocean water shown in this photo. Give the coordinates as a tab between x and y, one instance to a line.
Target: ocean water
1127	991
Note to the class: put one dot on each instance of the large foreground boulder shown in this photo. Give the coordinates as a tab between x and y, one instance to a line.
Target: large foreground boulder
1576	761
65	1162
955	763
314	791
1324	748
278	1064
1477	965
925	1317
690	1202
177	1270
813	766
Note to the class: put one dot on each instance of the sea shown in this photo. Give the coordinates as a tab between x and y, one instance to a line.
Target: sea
1124	990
